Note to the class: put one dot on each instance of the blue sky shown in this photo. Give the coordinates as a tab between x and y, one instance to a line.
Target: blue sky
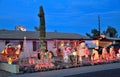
73	16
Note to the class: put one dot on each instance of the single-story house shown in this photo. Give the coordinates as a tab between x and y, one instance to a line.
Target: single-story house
106	41
31	43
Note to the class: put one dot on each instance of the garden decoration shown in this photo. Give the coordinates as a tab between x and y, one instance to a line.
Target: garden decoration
10	53
42	30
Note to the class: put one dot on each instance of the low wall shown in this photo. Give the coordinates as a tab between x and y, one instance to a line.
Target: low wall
9	67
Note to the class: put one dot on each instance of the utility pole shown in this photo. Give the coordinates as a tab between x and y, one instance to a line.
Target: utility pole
99	31
99	25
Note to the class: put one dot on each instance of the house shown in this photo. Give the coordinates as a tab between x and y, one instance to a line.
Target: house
106	41
30	39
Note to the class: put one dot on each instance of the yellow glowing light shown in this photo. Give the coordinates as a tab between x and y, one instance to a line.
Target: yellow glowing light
62	43
9	60
74	53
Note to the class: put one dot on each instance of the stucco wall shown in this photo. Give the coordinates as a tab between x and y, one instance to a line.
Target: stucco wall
50	45
2	45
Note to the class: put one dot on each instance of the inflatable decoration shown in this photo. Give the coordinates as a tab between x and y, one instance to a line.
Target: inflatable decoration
10	53
62	43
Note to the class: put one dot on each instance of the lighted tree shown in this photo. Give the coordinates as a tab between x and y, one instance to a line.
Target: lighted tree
42	29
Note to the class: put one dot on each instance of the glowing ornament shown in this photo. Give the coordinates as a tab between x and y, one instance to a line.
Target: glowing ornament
74	53
62	43
9	60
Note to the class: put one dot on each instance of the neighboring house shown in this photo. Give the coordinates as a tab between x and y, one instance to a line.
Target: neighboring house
115	40
106	41
32	39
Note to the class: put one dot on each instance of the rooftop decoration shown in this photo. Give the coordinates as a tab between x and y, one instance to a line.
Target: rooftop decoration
20	28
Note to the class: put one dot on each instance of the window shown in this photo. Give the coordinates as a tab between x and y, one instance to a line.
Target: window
21	43
7	42
34	46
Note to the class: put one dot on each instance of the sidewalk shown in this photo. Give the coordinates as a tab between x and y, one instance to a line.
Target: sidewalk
71	71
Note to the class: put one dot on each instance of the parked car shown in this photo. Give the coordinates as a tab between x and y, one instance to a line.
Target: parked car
116	47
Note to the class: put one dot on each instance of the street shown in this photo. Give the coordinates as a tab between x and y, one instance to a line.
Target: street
83	71
105	73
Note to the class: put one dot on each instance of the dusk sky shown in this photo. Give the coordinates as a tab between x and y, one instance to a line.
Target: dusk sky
72	16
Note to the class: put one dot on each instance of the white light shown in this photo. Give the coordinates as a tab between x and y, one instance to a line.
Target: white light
74	53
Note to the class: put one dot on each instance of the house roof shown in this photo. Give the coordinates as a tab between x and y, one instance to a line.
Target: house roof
109	38
33	35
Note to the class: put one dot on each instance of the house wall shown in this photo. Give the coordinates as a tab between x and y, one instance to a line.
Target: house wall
29	46
28	51
50	45
91	43
2	45
105	43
